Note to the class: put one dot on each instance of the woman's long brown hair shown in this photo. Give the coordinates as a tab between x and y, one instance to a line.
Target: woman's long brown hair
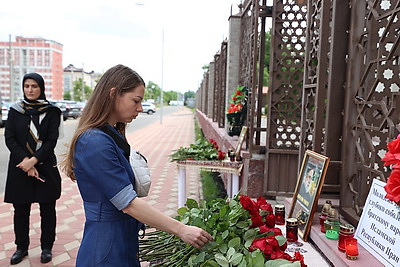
100	106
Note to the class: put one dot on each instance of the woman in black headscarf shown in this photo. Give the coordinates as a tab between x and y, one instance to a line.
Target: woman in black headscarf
31	135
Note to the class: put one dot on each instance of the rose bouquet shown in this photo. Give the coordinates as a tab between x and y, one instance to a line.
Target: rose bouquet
237	111
202	149
238	100
392	157
243	231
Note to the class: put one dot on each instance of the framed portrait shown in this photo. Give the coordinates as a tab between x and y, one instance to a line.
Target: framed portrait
308	188
242	136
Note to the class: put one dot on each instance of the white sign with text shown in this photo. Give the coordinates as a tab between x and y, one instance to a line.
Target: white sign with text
378	230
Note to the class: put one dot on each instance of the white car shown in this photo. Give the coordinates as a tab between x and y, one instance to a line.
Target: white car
149	108
5	106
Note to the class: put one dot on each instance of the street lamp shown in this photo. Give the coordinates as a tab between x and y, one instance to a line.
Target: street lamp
162	77
162	68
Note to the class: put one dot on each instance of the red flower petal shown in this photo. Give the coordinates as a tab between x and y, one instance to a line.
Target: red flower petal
392	186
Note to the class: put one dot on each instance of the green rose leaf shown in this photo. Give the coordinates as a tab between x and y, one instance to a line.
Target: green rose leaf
250	234
225	234
222	260
191	203
236	259
282	263
223	248
281	239
242	224
199	258
257	258
234	242
243	262
230	252
182	211
210	263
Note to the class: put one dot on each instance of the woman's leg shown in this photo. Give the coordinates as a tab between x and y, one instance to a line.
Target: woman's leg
21	225
48	224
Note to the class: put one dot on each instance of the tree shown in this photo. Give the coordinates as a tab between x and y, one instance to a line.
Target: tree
78	91
153	91
267	57
189	94
170	95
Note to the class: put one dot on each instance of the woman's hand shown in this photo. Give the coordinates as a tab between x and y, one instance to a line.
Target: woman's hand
34	173
27	163
194	236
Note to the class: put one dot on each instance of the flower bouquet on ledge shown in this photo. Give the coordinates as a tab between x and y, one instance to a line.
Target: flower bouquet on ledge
202	149
392	157
236	114
243	231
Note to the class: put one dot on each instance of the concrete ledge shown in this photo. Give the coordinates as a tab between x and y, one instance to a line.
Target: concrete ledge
328	247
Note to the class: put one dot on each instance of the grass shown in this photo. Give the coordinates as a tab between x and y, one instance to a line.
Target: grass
212	184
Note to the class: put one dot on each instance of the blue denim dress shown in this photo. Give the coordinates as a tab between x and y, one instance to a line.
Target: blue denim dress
105	180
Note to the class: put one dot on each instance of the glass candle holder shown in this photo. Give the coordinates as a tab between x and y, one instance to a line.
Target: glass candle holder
332	229
280	214
322	218
291	229
346	231
351	247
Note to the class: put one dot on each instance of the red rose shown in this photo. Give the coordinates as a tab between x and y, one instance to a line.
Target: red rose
238	92
265	229
266	207
256	220
299	257
261	201
248	204
392	186
270	220
393	155
234	98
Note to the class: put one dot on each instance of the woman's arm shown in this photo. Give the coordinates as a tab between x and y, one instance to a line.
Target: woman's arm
142	211
13	134
49	141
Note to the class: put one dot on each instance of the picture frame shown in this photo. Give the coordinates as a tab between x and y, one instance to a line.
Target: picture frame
308	188
242	136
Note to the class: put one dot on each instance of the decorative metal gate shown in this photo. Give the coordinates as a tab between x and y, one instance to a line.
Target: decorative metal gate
372	99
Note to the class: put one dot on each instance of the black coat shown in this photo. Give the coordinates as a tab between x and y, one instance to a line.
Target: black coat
21	188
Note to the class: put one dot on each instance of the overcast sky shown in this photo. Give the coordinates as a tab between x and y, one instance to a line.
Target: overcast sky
98	34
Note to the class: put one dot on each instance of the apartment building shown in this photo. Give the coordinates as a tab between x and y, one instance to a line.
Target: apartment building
30	54
73	74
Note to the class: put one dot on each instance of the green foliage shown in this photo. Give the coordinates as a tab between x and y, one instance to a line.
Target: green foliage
169	95
67	96
202	149
212	185
153	91
267	57
189	94
77	88
226	221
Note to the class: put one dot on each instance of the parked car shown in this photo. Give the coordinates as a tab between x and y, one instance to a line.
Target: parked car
69	109
5	107
148	108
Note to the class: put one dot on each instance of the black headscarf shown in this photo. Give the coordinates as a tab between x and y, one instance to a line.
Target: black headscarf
39	79
40	105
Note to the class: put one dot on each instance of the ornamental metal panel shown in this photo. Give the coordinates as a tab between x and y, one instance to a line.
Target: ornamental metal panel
371	113
285	96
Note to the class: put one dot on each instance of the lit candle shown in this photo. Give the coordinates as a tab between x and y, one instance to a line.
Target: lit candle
351	248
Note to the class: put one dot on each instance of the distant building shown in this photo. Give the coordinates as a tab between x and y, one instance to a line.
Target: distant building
73	74
27	55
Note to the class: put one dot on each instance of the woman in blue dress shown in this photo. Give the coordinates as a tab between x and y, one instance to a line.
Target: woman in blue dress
114	213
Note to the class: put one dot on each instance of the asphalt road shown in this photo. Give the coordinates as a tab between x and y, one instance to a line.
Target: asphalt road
141	121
